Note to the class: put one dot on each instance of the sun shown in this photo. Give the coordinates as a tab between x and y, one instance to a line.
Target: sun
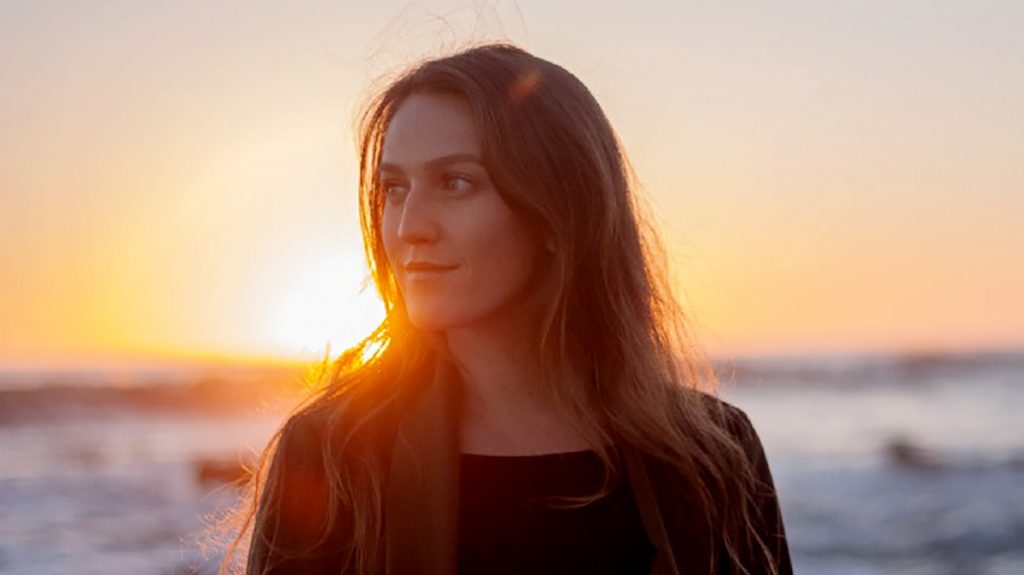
325	305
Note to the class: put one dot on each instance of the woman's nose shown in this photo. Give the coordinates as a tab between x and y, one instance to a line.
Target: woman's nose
419	222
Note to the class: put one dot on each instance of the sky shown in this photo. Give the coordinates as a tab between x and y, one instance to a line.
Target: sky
177	179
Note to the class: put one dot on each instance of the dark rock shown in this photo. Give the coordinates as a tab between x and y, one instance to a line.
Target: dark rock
904	454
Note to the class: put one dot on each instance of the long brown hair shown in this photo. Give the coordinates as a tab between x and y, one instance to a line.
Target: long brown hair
607	310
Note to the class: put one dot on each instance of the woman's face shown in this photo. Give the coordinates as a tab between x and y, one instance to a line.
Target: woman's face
460	255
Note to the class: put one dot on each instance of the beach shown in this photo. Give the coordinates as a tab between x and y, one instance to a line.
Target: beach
884	464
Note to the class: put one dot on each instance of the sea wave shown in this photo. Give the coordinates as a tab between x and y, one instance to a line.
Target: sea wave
57	401
875	369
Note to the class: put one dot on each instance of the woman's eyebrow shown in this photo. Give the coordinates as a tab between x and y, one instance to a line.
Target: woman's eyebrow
436	162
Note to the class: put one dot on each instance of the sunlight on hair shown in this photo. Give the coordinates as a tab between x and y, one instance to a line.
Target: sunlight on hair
524	85
370	350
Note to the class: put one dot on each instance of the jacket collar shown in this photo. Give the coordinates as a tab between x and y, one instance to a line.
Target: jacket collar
422	493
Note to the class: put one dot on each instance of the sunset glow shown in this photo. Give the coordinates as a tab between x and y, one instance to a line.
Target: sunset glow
180	182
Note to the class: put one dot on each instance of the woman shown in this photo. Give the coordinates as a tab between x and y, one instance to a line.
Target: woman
529	404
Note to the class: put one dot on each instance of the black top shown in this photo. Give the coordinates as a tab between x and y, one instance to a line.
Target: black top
502	529
513	537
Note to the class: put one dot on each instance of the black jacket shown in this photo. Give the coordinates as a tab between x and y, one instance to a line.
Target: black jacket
421	498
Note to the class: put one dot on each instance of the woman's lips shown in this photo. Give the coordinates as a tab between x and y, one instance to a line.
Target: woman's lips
426	271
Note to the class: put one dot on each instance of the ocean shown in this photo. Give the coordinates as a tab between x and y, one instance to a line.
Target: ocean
883	464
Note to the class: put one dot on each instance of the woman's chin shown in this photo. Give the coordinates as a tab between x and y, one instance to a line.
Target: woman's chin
429	320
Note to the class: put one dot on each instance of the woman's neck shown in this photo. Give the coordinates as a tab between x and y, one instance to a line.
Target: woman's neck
506	409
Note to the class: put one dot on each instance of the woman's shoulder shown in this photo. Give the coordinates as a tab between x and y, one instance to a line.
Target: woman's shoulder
767	516
337	426
300	442
735	422
722	412
360	400
311	427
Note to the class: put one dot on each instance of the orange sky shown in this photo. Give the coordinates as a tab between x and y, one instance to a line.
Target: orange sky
179	180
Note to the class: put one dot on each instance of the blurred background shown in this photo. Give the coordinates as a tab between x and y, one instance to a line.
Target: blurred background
839	187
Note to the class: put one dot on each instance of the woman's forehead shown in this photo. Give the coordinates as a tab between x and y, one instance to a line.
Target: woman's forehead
428	126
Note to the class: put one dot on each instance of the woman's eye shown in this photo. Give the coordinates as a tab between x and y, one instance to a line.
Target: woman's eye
393	191
458	184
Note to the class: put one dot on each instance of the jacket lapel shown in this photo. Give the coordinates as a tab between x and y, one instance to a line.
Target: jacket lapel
647	502
422	494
